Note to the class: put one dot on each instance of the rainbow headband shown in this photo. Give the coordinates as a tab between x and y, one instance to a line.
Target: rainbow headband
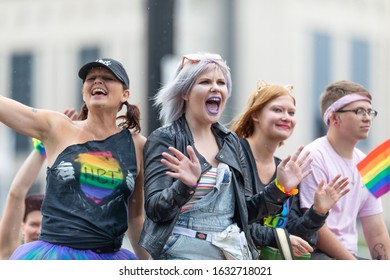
343	101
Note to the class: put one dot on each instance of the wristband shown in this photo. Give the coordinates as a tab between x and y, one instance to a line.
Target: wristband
281	188
39	147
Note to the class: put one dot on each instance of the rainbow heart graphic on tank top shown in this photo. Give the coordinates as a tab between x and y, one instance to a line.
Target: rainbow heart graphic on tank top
100	174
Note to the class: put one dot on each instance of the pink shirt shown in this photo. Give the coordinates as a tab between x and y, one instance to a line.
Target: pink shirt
342	219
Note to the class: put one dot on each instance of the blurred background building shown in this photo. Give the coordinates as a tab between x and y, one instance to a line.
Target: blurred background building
306	43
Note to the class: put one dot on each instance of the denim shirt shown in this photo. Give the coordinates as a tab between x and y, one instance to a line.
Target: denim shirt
164	196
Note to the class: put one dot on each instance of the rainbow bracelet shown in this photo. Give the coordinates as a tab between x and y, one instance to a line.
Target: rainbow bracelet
281	188
39	147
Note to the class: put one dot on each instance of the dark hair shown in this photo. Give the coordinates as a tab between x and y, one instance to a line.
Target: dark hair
33	203
130	121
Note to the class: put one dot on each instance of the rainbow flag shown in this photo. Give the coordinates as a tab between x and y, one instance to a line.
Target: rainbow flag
375	169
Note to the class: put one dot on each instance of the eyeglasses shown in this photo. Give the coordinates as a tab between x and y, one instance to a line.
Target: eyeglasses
196	57
361	112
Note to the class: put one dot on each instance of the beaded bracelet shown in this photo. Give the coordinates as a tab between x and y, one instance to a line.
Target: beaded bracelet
39	147
281	188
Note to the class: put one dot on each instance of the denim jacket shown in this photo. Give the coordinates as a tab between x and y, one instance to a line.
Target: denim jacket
164	196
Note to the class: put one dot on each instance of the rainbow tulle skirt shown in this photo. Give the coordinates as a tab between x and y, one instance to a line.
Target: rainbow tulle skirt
41	250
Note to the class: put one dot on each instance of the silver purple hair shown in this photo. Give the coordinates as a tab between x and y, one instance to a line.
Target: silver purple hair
169	99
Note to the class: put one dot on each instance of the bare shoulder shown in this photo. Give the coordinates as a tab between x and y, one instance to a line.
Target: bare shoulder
62	122
139	143
46	124
139	140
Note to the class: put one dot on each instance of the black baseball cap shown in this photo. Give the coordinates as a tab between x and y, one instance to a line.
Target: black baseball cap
111	64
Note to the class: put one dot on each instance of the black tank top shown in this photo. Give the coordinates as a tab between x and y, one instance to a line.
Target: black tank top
87	191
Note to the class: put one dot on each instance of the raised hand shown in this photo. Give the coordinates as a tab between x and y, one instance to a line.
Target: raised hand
326	197
291	170
183	168
71	113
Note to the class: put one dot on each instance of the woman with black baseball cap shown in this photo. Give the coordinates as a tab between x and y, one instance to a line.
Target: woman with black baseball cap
94	186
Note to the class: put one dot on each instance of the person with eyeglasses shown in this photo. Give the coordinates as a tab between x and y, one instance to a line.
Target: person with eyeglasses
196	173
346	108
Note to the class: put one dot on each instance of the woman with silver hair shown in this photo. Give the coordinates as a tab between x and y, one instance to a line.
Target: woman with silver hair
196	175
